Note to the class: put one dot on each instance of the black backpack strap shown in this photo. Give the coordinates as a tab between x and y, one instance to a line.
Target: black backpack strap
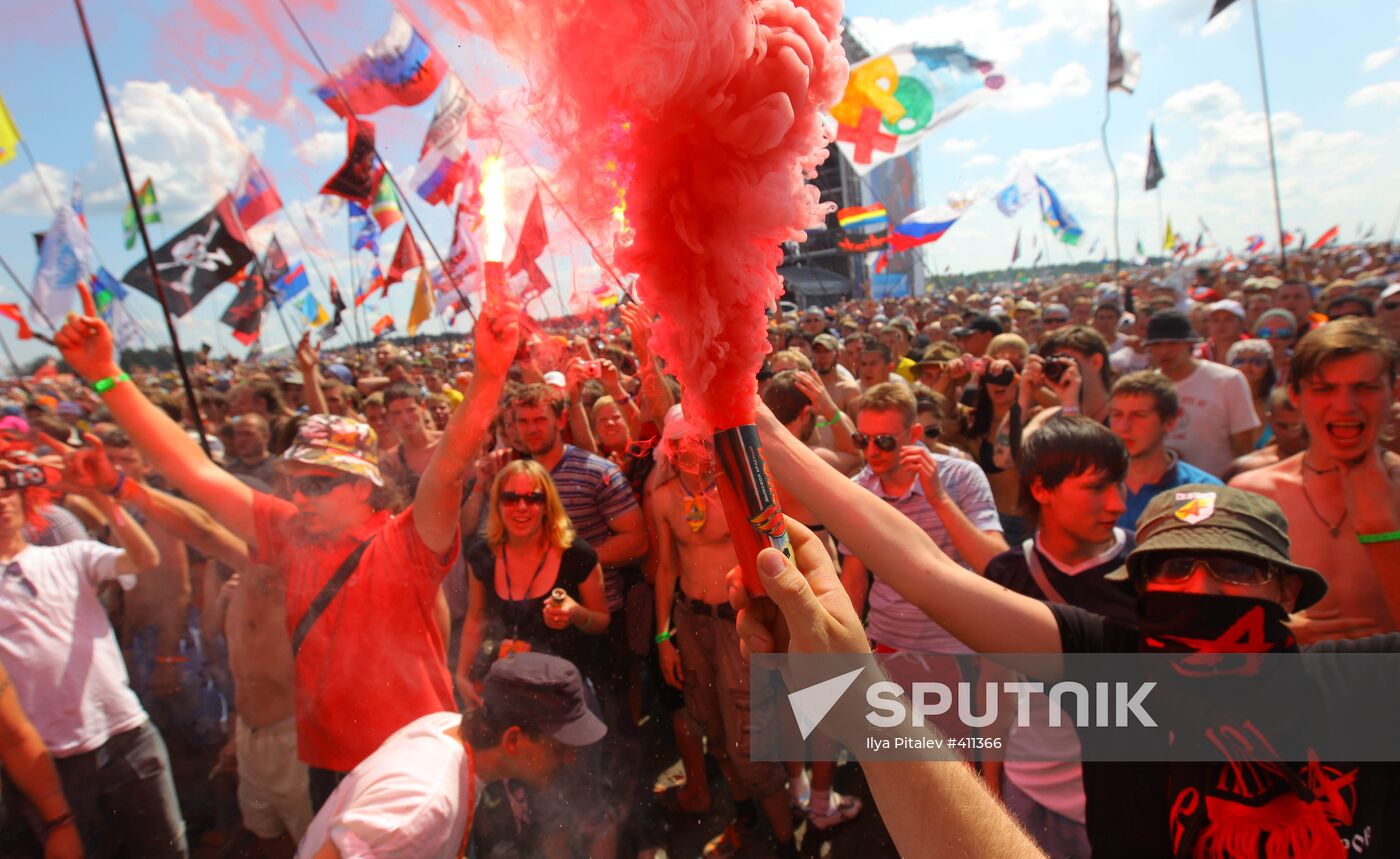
327	594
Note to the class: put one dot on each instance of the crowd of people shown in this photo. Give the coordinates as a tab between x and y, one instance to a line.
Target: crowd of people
420	599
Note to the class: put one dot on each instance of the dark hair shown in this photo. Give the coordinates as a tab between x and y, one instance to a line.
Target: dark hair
539	394
402	391
484	732
782	395
1082	339
886	353
1064	447
1150	383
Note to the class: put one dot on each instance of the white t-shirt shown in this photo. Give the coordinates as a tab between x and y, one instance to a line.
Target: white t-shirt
1215	404
59	648
409	799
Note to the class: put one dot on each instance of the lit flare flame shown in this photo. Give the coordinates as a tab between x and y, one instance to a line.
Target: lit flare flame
493	208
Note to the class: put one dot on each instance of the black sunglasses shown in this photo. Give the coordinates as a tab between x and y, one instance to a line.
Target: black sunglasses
534	499
316	485
887	443
1223	568
13	571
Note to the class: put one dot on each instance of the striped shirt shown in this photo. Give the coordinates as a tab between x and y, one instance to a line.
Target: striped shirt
594	492
892	620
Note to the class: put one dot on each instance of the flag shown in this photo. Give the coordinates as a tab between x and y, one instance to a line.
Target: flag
385	206
13	311
1200	243
406	259
65	257
1016	248
274	262
1169	240
382	326
1287	238
194	263
1252	244
1155	173
149	213
922	227
401	68
422	302
338	309
357	177
1124	67
315	314
289	285
1056	216
463	258
254	197
872	217
532	242
1218	6
449	305
244	313
444	162
1020	192
1325	239
367	236
894	100
374	282
9	134
882	262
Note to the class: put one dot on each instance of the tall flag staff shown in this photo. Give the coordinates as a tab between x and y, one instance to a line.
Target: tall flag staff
1123	72
28	296
190	399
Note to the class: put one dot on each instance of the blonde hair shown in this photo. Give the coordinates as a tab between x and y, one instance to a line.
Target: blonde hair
558	530
796	357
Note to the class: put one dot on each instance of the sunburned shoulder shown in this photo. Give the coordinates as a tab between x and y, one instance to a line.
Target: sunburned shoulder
1270	477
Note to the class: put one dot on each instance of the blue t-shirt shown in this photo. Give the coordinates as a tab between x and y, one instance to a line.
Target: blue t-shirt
1180	473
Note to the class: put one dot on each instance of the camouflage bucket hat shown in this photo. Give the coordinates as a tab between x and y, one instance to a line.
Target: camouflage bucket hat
332	441
1201	518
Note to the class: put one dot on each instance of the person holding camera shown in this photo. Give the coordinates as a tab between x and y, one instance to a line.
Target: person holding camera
994	426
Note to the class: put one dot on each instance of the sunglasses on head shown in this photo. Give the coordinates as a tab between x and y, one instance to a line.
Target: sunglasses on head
1250	361
316	485
1223	568
887	443
1280	333
534	499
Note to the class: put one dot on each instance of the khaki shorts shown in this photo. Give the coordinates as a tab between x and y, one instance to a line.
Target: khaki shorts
273	792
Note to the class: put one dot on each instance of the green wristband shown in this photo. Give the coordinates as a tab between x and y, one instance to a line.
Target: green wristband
1386	537
102	386
663	636
836	419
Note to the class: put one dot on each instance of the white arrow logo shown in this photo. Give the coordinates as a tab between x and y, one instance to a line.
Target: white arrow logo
811	705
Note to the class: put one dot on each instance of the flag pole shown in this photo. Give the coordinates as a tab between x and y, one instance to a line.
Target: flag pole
1112	171
335	82
34	167
190	399
28	295
1269	128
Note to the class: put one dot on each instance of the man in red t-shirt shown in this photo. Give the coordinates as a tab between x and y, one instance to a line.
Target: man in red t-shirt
373	660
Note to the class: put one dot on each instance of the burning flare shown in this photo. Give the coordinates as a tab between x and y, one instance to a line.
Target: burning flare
493	208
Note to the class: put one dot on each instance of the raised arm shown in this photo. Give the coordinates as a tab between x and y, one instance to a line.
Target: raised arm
983	615
439	498
86	345
309	359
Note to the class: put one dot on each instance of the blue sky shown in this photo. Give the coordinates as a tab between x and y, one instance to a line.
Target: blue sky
1334	76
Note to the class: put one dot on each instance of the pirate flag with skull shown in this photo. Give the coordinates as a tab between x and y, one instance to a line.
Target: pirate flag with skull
193	263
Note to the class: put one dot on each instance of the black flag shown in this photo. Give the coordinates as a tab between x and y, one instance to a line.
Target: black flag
357	177
274	262
1155	173
338	305
244	315
1219	6
191	265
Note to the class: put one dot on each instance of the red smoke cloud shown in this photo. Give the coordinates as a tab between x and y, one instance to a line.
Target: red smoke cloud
707	113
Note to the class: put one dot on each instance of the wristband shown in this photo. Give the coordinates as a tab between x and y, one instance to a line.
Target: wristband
1069	410
172	660
624	401
102	386
51	826
664	636
1385	537
835	419
121	484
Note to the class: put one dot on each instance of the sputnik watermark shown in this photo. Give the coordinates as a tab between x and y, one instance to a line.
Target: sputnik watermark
1115	705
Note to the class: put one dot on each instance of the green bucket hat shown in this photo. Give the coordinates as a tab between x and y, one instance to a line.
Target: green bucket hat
1203	518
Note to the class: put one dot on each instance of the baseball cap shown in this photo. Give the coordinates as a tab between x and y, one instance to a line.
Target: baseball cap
826	341
938	352
1170	326
342	443
555	378
342	373
1198	517
542	694
978	325
1228	305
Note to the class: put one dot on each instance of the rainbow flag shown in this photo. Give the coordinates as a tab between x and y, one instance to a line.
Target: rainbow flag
873	217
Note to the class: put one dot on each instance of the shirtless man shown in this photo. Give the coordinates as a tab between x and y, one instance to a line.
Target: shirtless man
403	402
702	654
1344	487
840	384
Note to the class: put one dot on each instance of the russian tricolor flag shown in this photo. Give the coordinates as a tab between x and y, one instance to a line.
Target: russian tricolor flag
401	68
439	174
1253	244
922	227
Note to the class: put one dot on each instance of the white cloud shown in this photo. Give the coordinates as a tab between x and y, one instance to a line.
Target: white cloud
981	161
982	26
1069	81
26	196
1376	95
1376	59
1210	99
957	145
321	146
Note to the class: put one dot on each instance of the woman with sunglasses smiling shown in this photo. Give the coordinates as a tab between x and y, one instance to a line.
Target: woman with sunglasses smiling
1279	328
530	554
1255	359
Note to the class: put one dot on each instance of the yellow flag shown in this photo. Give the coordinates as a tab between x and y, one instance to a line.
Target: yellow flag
9	135
422	302
1169	241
